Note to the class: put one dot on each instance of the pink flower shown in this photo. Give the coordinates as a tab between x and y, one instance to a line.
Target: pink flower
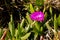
37	16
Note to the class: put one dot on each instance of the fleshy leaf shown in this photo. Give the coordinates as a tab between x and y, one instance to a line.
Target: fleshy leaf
25	36
55	22
31	8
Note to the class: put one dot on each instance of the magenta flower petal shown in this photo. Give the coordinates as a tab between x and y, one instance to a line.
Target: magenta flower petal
37	16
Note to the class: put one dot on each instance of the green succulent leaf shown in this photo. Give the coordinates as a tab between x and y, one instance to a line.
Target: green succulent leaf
26	36
37	26
28	18
35	36
11	26
55	22
50	10
31	8
20	27
44	9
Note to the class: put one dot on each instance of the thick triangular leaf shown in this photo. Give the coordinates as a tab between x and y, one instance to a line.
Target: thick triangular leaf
50	10
55	22
28	18
11	26
31	8
25	36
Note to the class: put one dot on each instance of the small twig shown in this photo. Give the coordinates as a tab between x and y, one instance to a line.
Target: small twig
4	35
41	38
1	8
